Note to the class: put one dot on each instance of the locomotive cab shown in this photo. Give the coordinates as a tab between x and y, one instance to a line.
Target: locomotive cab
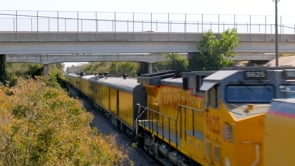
236	102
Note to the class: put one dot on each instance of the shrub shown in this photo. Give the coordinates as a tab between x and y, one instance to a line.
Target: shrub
41	125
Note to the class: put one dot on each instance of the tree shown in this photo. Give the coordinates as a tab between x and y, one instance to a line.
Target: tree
175	62
215	52
120	68
96	67
17	70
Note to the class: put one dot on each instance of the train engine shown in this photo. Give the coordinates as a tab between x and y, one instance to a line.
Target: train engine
209	118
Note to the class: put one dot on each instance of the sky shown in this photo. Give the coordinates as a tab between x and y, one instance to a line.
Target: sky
248	7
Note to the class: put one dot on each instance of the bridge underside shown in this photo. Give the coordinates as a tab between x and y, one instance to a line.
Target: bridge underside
254	57
58	58
147	58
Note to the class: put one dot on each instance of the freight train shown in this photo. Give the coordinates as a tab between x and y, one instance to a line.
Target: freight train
211	118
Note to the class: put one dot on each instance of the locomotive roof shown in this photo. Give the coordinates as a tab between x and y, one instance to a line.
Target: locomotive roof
86	77
286	100
215	78
155	78
73	75
284	106
220	75
172	81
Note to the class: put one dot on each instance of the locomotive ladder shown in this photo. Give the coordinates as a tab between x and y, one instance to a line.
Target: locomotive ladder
141	110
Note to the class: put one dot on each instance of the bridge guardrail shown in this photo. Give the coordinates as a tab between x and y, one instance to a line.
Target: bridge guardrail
63	21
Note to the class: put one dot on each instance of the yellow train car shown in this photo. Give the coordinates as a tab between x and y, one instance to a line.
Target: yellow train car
73	80
118	96
87	87
279	133
82	83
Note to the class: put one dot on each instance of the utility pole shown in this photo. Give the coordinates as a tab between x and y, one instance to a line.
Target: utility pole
2	67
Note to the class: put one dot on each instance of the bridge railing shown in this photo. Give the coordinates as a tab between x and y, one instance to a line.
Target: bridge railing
64	21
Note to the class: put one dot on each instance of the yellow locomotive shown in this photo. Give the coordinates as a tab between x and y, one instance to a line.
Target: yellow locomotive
206	118
279	133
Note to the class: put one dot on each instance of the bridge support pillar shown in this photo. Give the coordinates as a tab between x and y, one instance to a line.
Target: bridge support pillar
150	67
2	67
46	70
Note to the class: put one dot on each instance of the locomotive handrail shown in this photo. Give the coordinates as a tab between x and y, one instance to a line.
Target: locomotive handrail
170	118
193	110
152	110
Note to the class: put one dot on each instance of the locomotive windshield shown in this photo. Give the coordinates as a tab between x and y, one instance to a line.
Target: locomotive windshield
287	91
249	93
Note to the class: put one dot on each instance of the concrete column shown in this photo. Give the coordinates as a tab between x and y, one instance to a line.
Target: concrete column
143	69
2	67
46	70
150	67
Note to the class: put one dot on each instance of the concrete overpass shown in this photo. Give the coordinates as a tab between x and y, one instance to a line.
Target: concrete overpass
97	33
46	59
129	42
48	47
57	36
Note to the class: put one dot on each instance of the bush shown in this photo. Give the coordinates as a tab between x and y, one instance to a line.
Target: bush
41	125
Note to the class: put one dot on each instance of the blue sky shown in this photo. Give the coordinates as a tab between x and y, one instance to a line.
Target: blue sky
253	7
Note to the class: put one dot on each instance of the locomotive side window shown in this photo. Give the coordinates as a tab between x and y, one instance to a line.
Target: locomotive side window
287	91
198	83
213	97
185	84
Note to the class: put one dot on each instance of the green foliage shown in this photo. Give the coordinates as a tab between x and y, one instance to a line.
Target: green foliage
34	70
175	62
16	70
41	125
55	77
96	67
215	53
120	68
116	68
11	79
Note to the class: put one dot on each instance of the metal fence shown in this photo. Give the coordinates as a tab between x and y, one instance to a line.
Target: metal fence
65	21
